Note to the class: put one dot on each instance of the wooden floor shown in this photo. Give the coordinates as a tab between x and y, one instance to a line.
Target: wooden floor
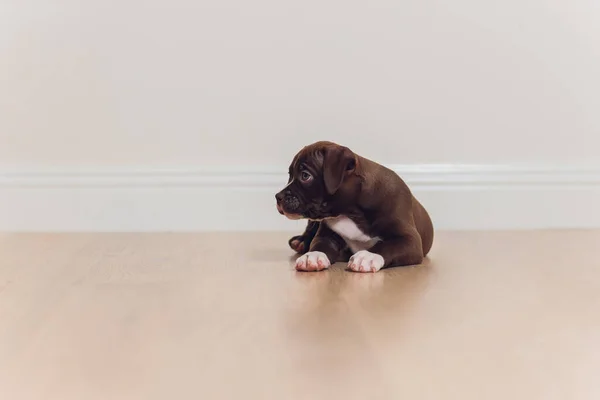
225	316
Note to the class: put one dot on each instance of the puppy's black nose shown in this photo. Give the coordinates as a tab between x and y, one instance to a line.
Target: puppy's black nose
279	196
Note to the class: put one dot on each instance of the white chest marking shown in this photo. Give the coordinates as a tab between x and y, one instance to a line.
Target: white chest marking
355	238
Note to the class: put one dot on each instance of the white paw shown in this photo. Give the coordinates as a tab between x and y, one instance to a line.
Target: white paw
312	261
365	261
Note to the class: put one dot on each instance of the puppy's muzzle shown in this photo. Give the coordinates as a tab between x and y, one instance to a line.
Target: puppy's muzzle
286	202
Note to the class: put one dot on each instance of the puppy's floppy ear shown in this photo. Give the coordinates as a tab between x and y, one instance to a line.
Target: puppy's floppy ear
338	161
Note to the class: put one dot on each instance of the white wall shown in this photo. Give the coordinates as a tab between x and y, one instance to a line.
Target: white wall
220	82
119	114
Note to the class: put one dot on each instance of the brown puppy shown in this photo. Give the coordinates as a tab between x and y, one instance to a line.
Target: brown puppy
358	211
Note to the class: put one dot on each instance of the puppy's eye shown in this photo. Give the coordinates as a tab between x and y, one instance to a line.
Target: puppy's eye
305	176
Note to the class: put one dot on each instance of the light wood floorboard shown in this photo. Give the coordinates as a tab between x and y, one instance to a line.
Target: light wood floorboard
491	315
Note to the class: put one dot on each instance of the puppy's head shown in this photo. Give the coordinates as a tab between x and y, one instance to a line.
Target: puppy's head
322	179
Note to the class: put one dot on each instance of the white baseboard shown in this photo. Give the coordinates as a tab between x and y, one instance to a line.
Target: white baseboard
457	196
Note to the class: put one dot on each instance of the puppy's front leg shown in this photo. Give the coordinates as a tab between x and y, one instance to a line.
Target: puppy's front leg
325	249
301	243
405	249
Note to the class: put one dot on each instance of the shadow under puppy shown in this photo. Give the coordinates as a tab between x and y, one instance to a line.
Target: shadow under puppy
358	210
